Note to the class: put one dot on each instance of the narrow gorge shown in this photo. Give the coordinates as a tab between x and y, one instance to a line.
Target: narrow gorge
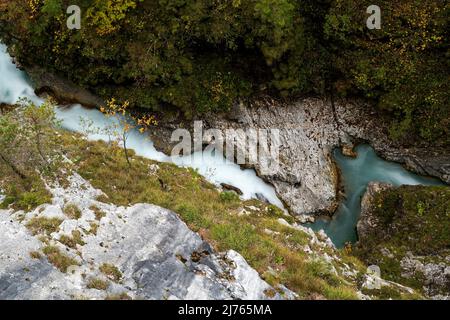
96	205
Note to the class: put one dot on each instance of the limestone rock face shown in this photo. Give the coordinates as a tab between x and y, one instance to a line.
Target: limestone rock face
307	179
436	274
157	255
360	122
22	277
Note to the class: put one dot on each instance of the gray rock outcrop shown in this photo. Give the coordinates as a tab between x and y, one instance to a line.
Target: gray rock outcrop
436	274
157	255
63	90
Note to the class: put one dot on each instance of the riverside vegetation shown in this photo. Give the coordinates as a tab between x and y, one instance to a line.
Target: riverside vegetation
200	55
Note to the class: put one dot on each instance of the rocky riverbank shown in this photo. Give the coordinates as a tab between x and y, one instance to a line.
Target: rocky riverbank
63	90
77	247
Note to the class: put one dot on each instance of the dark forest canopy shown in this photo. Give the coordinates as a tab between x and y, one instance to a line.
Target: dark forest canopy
201	55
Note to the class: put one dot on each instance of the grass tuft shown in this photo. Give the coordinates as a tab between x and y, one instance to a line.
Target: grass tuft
35	255
98	284
72	211
99	214
122	296
72	241
111	271
59	259
43	225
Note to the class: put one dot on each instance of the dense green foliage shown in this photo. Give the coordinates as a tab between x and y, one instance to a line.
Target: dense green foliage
403	67
201	55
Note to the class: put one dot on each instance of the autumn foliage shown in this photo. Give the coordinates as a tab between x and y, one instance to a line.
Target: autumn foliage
200	56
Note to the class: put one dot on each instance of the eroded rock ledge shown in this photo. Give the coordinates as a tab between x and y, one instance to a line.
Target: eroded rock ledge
64	91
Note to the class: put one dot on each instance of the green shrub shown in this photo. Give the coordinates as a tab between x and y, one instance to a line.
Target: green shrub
402	67
229	196
30	200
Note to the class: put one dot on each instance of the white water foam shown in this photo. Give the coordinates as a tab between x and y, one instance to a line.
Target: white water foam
14	85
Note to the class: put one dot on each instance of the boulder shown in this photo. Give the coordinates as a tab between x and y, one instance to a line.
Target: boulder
229	187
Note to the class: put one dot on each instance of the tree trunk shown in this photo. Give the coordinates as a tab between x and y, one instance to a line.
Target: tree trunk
13	167
126	150
38	146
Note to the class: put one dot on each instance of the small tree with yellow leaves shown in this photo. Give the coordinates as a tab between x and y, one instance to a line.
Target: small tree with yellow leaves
125	122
